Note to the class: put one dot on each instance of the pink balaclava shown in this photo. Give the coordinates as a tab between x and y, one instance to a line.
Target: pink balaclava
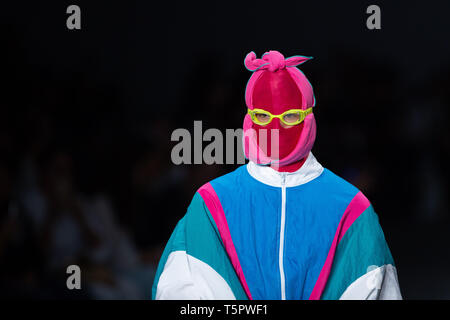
276	85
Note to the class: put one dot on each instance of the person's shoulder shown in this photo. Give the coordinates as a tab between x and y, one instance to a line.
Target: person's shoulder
349	197
228	181
336	182
231	178
336	188
220	190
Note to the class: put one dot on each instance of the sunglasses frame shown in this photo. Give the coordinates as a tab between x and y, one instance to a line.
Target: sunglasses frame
303	114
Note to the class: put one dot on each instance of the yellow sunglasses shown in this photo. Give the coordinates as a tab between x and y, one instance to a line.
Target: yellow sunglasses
290	117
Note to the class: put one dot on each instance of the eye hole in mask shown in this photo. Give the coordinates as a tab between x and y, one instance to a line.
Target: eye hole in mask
290	117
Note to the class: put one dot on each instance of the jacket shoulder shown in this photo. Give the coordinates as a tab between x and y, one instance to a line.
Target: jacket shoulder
229	180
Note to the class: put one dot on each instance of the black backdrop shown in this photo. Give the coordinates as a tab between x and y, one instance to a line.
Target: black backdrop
95	108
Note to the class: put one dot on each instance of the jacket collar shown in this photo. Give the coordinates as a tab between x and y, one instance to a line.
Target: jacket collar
310	170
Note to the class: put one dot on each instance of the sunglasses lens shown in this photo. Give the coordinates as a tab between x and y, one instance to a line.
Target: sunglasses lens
262	117
292	117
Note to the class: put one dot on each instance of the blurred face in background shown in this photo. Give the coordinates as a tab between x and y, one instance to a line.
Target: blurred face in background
57	179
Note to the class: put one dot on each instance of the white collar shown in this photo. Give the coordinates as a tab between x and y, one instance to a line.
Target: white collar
310	170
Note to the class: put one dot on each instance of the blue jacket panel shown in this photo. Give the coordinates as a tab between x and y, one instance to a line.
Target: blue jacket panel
312	214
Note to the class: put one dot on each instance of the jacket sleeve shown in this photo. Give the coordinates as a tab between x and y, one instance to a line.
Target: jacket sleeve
379	283
194	264
363	267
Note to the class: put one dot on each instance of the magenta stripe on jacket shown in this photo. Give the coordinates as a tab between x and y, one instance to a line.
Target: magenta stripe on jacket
215	208
357	206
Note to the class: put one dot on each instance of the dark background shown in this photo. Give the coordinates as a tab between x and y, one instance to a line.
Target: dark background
87	115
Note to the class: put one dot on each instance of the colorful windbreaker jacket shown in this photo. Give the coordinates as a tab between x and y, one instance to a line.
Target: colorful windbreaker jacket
257	233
